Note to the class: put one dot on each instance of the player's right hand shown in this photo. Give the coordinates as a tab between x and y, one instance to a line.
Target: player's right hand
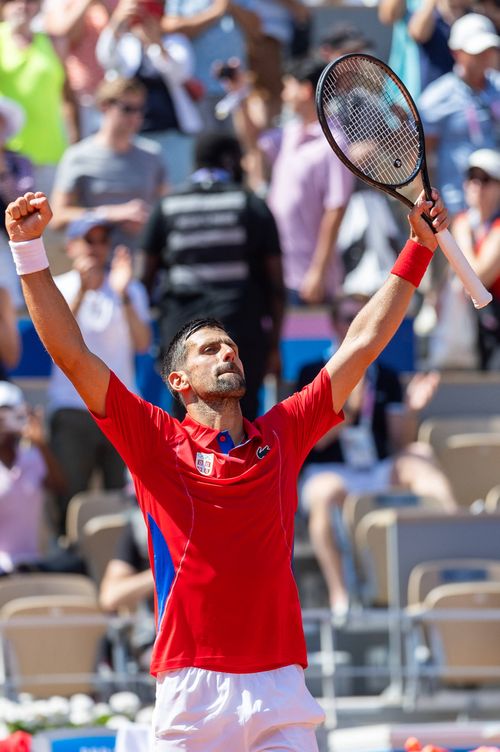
27	217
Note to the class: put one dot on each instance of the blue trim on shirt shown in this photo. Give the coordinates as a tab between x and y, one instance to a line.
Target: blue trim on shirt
164	570
225	442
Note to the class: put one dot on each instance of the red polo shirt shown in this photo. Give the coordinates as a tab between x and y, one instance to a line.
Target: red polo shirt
221	527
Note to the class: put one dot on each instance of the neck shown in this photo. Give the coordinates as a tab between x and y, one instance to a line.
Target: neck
222	415
117	142
475	79
309	115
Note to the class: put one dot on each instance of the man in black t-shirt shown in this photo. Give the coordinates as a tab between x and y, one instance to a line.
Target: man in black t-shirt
212	249
372	451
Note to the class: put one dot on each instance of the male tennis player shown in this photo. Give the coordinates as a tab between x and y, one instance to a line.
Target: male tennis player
219	494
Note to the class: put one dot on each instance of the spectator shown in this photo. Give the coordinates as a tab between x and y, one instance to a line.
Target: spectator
77	25
16	176
419	51
112	311
477	231
266	44
309	189
215	35
132	44
10	343
403	56
430	27
460	110
489	8
342	39
112	171
373	450
218	246
27	469
32	74
128	585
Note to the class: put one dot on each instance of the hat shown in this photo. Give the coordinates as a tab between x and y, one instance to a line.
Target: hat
84	224
10	395
487	160
344	36
473	33
12	115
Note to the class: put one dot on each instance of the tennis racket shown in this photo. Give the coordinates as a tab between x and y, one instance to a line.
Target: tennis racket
373	126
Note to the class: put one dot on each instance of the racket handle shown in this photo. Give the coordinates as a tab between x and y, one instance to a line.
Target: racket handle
464	271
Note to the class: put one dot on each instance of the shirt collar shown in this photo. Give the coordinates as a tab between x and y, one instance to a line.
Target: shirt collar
211	175
207	436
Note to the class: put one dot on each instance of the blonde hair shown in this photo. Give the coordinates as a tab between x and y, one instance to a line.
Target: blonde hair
112	89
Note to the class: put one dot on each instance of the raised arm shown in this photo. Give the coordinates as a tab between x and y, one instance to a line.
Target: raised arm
378	321
25	219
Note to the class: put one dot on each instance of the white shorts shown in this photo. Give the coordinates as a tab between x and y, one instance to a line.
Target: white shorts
210	711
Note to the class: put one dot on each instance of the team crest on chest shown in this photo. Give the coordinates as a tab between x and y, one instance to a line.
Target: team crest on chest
204	463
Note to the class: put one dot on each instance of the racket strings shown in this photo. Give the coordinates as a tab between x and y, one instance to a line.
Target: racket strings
371	121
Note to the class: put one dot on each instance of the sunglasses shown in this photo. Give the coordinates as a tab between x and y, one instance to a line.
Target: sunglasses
104	240
481	177
128	109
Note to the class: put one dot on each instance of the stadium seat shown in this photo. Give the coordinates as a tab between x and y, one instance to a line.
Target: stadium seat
492	500
86	506
25	585
51	644
431	574
356	506
437	431
464	651
99	541
472	465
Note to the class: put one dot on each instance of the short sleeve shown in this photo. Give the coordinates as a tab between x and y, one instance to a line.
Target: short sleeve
307	415
66	174
270	144
339	183
433	106
137	429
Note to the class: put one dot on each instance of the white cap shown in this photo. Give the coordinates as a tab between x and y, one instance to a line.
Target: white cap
10	395
12	115
473	33
487	160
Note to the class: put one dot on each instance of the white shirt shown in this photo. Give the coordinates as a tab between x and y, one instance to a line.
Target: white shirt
103	323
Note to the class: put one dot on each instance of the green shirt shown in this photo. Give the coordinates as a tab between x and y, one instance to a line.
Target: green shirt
34	77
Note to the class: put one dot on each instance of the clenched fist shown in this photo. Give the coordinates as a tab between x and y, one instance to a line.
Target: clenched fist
27	217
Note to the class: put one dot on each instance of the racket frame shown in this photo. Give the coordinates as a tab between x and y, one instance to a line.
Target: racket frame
421	166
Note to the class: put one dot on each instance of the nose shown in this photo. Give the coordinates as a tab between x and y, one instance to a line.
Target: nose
228	354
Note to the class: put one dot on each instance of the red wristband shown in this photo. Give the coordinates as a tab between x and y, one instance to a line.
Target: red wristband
412	262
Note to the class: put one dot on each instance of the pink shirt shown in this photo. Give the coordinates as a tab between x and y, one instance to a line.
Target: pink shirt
21	506
307	179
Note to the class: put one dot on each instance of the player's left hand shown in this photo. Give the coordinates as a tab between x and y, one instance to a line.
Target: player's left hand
436	210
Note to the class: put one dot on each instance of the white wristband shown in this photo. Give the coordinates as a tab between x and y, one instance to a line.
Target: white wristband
29	256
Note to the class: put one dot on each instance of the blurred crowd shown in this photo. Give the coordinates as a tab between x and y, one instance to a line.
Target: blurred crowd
189	175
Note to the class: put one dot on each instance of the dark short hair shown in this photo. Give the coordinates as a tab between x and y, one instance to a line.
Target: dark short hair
175	354
218	150
306	69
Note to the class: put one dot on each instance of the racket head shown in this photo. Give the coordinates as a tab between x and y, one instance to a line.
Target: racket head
372	124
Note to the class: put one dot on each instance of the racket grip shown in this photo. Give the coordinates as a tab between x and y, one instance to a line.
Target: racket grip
464	271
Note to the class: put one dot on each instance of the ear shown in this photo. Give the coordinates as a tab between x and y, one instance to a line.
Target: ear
178	381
